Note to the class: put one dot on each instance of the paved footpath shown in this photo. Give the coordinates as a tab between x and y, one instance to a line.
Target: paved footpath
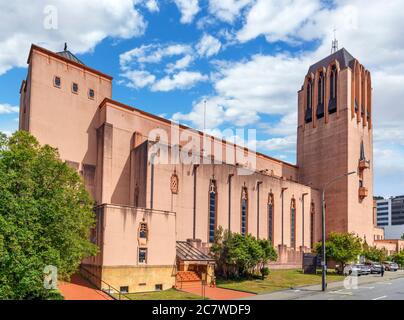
371	287
216	293
80	289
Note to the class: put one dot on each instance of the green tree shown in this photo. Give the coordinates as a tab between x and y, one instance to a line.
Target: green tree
237	255
399	258
341	247
402	237
45	217
374	254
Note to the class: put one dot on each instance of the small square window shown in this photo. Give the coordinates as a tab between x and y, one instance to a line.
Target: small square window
142	255
57	82
124	289
158	287
75	87
91	93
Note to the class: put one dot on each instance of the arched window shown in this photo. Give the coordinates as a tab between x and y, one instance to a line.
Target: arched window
244	211
309	101
293	223
320	96
312	216
212	210
332	105
271	218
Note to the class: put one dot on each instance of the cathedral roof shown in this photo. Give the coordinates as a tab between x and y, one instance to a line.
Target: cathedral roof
344	58
68	55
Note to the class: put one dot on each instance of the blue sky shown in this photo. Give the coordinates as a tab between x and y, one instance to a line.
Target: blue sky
246	58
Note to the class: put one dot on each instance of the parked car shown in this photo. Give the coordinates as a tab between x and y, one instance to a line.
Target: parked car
355	269
375	267
390	266
366	269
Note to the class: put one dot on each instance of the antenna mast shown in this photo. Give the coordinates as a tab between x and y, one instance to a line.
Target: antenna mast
204	115
334	47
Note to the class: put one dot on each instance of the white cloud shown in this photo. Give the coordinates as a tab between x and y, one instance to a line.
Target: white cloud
139	78
188	8
286	126
219	110
82	24
136	63
285	144
277	20
152	5
7	109
180	64
208	46
227	10
181	80
389	171
152	53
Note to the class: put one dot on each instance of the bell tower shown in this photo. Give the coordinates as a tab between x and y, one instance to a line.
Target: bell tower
334	137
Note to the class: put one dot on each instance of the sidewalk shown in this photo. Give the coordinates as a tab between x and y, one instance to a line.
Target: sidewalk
216	293
299	292
80	289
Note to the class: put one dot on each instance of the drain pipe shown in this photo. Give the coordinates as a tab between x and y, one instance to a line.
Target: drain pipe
195	167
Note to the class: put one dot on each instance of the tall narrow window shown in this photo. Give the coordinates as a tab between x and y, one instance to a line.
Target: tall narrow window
244	211
271	218
142	256
332	105
293	223
143	230
309	98
312	216
212	210
320	96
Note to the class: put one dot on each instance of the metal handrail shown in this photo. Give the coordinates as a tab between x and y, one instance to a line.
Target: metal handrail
92	275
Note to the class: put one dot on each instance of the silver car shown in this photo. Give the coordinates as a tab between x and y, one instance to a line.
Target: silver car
353	269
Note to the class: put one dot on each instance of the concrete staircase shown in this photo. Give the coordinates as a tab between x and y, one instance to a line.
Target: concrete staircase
187	277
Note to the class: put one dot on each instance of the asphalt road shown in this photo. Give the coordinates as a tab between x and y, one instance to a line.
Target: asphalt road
383	290
370	287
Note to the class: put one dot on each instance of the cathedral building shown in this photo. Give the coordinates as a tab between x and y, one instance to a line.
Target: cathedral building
158	201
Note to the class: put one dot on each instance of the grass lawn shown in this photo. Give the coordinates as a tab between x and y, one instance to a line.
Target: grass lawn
170	294
278	280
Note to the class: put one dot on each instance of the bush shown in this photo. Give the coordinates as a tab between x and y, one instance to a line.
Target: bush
237	255
264	272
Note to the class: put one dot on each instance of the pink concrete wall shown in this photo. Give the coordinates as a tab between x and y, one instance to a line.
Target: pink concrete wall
120	240
59	117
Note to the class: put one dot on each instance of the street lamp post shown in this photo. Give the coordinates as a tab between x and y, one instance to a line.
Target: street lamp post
323	262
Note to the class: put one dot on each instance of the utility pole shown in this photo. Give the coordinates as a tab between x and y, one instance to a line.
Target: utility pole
324	261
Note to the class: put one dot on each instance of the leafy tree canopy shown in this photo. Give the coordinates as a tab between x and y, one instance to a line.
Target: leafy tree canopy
374	254
45	217
399	258
341	247
236	254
